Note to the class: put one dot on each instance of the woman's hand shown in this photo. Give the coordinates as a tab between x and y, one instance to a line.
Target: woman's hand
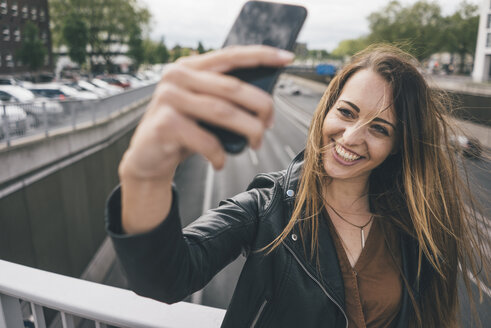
193	89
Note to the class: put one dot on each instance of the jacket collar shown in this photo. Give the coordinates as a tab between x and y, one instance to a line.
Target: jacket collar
328	273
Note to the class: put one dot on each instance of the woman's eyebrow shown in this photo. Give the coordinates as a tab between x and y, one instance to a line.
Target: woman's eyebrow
377	119
352	105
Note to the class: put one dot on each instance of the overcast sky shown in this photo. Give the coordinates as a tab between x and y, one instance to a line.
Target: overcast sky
328	22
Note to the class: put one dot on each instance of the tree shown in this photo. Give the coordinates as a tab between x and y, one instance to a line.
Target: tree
32	51
176	52
76	36
155	52
149	51
350	47
200	49
161	53
135	44
109	23
416	28
460	31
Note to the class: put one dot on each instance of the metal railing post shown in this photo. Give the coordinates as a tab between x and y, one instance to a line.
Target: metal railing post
6	126
38	314
10	312
92	107
45	119
72	109
67	320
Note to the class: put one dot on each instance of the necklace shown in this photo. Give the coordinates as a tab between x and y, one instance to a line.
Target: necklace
362	233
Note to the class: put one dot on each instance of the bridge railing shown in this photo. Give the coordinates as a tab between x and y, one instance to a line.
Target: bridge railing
21	120
25	291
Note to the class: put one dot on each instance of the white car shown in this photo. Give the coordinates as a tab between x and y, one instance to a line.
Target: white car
112	89
61	92
151	76
14	119
134	82
34	107
86	86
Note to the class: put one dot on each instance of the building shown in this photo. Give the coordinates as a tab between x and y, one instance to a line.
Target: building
482	61
14	14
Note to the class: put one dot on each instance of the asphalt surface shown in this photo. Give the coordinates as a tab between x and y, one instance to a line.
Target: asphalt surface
201	188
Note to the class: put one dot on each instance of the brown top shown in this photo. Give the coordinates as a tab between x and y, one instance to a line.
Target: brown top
373	287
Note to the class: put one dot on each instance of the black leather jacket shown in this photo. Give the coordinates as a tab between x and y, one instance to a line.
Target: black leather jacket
283	289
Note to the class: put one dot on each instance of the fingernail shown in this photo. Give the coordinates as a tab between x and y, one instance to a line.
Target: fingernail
286	55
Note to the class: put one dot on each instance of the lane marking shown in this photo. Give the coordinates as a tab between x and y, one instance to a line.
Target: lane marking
253	156
197	297
276	147
298	112
290	152
483	223
483	227
484	288
293	116
210	173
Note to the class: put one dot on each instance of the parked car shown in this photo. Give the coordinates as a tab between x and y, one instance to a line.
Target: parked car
61	92
112	89
34	107
10	80
114	80
150	76
132	80
13	118
82	85
470	147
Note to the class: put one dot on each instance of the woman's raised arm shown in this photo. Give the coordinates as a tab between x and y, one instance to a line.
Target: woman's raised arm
192	89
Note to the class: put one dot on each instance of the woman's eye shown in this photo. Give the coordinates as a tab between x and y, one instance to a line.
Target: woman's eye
345	112
380	129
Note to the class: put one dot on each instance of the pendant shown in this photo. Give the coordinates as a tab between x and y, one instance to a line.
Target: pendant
362	238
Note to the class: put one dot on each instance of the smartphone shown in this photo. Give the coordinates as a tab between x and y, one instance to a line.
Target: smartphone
259	22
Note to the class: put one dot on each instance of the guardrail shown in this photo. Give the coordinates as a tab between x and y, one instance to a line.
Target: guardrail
19	120
76	299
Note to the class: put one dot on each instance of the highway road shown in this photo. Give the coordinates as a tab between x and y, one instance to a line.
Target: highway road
201	188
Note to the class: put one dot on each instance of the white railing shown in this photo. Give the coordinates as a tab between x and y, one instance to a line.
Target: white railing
76	298
42	117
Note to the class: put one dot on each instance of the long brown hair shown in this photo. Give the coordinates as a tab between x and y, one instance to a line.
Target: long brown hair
418	188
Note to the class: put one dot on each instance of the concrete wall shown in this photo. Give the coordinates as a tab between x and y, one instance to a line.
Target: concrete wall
56	223
52	208
475	108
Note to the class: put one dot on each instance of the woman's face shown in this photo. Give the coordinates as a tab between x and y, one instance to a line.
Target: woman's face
360	128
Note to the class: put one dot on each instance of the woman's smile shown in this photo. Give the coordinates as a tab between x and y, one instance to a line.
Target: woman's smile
345	156
359	129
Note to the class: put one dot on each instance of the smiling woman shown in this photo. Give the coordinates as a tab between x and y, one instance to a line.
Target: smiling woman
366	228
358	133
379	148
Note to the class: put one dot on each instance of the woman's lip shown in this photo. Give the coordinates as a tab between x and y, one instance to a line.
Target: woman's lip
337	143
341	161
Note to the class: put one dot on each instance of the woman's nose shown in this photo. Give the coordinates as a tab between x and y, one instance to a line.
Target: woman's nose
353	135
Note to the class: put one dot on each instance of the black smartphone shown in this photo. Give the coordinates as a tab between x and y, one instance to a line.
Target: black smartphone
259	22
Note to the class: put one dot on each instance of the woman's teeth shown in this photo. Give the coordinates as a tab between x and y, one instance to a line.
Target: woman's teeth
346	155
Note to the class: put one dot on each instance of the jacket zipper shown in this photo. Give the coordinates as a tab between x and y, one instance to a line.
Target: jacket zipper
317	282
261	309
